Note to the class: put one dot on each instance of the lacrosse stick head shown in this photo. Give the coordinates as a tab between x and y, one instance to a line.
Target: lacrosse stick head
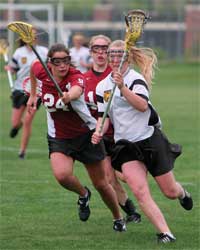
24	30
3	46
135	20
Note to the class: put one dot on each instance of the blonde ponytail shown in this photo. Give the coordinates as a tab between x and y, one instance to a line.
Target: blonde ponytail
146	60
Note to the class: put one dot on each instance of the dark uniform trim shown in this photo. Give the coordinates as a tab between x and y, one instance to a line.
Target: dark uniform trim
99	98
138	82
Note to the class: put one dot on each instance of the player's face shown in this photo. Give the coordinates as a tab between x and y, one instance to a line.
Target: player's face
99	51
115	55
60	62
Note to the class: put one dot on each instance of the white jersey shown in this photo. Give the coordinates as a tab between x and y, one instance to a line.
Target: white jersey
22	60
129	123
78	55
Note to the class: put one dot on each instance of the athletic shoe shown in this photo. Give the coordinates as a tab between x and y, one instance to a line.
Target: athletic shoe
14	131
84	209
21	155
187	201
165	238
130	210
119	225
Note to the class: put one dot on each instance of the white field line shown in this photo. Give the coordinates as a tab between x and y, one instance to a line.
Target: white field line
33	150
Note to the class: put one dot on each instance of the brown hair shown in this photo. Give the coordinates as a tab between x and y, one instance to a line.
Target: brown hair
57	47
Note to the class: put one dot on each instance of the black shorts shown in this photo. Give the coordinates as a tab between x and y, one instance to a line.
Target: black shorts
109	145
19	98
156	152
79	148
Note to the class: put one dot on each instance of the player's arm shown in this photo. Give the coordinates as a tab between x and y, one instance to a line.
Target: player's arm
132	98
32	101
73	94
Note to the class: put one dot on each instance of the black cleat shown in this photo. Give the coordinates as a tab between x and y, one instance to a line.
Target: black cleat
165	238
187	201
130	210
14	132
21	155
84	209
136	218
119	225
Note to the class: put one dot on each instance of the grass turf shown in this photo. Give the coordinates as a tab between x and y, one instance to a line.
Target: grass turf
37	214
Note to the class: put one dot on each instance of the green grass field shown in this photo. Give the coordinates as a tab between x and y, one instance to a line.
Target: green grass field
37	214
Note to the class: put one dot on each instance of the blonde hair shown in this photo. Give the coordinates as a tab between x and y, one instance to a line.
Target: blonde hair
144	58
94	38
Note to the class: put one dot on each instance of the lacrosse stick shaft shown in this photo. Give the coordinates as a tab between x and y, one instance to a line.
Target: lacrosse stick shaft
47	71
112	94
10	80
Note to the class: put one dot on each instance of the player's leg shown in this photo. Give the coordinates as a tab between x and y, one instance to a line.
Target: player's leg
173	190
125	203
135	174
62	166
26	132
16	120
98	176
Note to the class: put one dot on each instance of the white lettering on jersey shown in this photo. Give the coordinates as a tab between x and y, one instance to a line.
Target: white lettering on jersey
49	103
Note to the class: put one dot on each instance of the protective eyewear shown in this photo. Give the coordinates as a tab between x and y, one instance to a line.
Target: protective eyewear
57	61
98	48
115	54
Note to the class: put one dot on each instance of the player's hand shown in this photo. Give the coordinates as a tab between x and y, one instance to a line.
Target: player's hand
118	79
96	137
32	104
65	98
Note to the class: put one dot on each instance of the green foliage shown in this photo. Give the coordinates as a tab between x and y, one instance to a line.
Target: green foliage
38	214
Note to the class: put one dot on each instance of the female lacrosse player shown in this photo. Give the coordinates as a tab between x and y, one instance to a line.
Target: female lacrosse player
140	146
20	65
98	50
70	126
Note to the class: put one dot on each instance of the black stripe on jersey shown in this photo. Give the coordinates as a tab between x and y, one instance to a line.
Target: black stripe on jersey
15	62
100	114
143	96
153	119
99	98
138	82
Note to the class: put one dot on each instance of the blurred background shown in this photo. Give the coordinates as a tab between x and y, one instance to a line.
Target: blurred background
173	29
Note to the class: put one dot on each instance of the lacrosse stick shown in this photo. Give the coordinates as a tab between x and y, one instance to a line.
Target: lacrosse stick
4	52
26	33
135	20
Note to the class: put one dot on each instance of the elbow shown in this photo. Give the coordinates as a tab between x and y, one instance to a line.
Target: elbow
144	107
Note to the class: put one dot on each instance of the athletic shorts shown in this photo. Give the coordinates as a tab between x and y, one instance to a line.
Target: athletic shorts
156	152
109	144
19	98
79	148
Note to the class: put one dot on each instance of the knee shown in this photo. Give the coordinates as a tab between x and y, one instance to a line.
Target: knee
170	193
140	194
101	186
61	177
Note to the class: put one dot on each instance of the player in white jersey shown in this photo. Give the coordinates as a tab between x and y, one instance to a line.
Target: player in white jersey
80	54
20	66
140	147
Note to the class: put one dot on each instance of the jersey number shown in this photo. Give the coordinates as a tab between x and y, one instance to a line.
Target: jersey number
49	100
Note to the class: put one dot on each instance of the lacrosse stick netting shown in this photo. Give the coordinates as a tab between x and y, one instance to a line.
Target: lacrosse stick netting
27	34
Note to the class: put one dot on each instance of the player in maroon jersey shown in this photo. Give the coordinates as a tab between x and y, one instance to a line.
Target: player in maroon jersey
70	126
98	49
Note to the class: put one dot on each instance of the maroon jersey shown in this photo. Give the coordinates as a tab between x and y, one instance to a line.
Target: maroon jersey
92	78
64	120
